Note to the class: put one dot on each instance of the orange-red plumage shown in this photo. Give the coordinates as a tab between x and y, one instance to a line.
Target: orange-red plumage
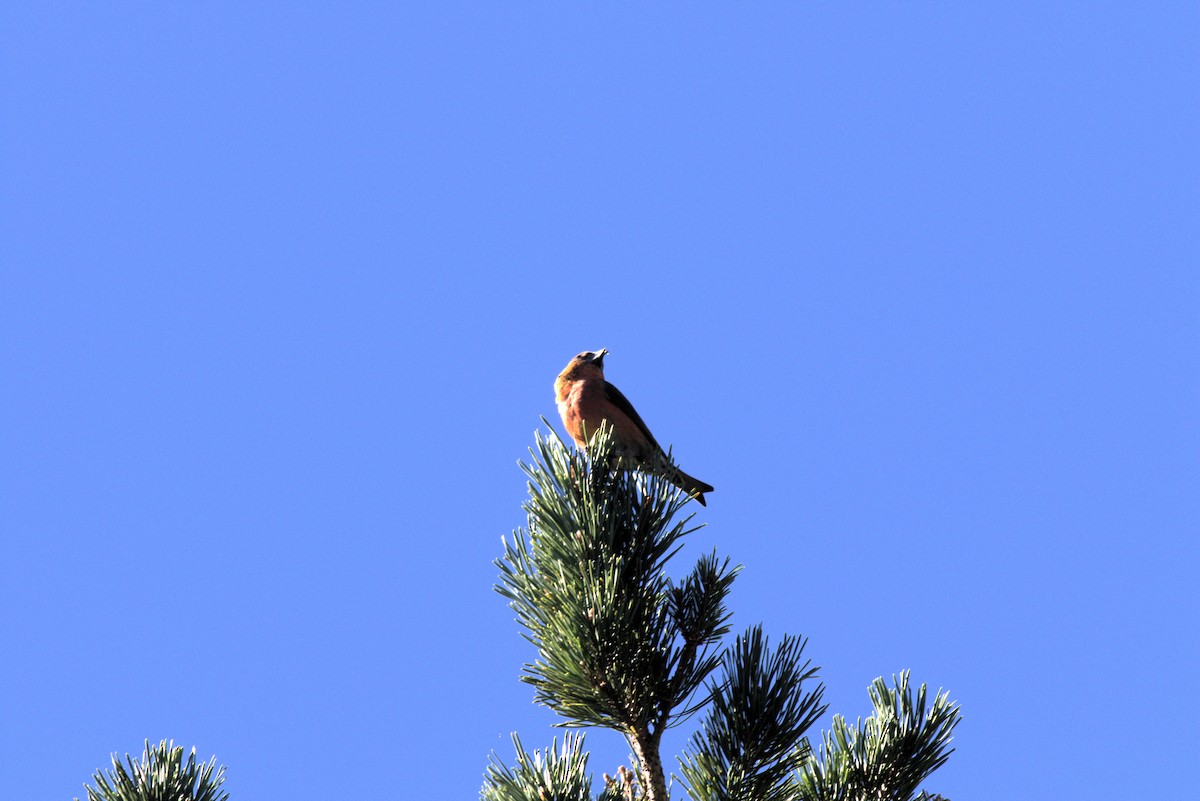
585	401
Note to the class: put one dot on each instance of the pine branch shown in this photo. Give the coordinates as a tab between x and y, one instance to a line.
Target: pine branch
551	775
751	741
886	757
160	774
697	606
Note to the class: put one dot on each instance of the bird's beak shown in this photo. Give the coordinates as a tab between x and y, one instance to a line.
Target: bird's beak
598	359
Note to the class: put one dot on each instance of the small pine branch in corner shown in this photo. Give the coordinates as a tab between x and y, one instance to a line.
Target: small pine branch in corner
160	775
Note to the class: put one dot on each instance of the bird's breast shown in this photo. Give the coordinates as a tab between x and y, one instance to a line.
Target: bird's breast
581	407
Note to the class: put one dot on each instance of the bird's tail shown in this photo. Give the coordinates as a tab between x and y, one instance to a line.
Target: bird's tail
661	464
692	486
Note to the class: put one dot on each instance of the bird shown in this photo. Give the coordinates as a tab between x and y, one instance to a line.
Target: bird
585	401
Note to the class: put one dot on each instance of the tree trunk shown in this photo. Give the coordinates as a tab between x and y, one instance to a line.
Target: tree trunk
650	775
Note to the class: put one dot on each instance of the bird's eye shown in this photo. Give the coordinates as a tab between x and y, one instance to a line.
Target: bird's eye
587	354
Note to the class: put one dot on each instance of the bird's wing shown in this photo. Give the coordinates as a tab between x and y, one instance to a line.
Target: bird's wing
621	402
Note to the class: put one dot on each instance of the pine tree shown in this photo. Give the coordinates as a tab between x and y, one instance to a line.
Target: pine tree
620	645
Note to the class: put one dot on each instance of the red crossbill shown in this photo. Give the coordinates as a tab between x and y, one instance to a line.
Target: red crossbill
586	400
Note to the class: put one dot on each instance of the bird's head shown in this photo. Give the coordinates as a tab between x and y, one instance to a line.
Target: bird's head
590	362
595	357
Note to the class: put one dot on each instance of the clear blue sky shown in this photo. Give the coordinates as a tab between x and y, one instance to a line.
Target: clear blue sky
284	289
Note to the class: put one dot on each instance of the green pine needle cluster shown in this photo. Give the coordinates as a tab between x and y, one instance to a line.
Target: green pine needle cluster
752	740
160	775
887	756
554	775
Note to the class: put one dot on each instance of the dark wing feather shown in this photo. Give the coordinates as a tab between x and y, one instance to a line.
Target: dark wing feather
621	402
